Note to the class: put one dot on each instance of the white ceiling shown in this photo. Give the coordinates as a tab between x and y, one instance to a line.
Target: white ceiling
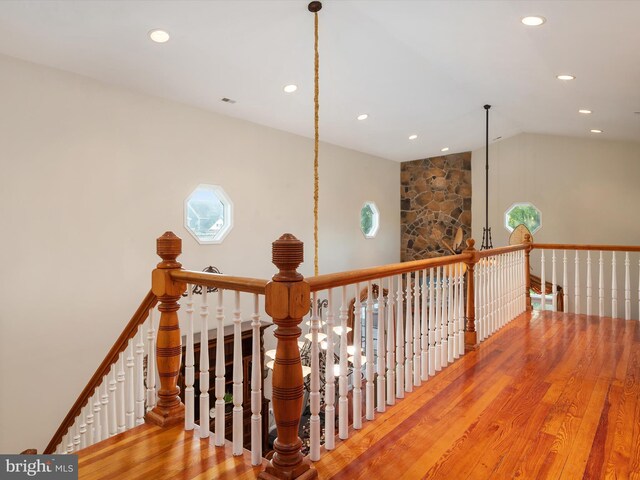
423	67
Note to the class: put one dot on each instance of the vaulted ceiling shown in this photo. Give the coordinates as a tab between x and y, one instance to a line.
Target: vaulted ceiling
415	67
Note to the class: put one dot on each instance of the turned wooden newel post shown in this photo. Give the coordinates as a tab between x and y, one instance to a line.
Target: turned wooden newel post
470	335
287	301
169	409
527	269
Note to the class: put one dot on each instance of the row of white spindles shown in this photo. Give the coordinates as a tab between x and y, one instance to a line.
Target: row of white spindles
500	287
420	330
608	292
118	403
203	429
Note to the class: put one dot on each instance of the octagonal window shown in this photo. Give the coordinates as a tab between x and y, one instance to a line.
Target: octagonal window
208	214
523	214
369	219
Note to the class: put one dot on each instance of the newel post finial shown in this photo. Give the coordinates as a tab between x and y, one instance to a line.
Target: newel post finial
287	300
527	270
287	253
470	335
169	409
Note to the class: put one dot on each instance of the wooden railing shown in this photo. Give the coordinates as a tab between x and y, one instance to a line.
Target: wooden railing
84	417
612	294
409	321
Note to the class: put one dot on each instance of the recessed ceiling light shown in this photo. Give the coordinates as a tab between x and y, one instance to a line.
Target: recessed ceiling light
290	88
445	149
585	111
565	77
363	116
413	137
595	130
159	36
533	21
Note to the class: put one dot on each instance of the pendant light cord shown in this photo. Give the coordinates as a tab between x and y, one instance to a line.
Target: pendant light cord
316	175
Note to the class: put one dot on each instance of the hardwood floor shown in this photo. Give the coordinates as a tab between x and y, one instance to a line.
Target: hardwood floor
552	396
149	452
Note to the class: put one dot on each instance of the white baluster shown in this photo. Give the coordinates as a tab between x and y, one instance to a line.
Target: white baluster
577	284
104	410
370	388
189	364
614	287
205	404
432	323
391	376
627	287
478	278
130	417
543	285
343	403
82	429
486	294
329	376
498	293
601	287
357	360
238	379
139	381
69	440
511	285
314	391
120	394
113	418
424	329
90	422
381	367
444	318
416	330
399	342
151	363
493	275
589	286
97	416
438	310
450	313
76	437
219	386
61	448
408	344
565	283
554	284
461	310
256	386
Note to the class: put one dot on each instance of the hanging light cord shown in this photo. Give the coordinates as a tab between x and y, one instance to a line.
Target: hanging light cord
316	175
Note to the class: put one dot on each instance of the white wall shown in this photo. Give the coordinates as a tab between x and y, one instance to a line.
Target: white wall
588	191
91	174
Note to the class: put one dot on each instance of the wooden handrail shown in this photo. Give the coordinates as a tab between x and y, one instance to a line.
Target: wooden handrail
120	344
218	280
606	248
332	280
501	250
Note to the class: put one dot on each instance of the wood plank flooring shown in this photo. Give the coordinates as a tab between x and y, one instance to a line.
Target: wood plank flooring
550	396
149	452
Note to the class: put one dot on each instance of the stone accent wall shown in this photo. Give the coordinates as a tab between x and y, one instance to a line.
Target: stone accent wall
435	200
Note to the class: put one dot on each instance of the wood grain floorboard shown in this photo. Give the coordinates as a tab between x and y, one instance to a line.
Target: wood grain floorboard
549	396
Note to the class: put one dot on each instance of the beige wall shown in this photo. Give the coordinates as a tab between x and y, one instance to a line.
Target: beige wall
588	191
91	174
